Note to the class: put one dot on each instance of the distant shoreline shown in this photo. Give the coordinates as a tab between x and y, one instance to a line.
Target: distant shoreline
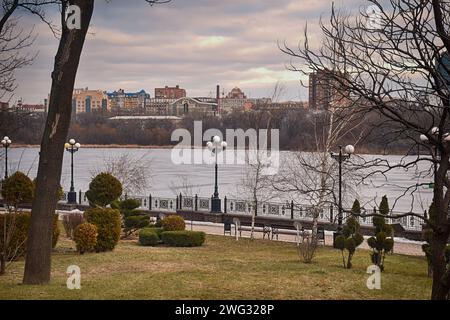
364	151
102	146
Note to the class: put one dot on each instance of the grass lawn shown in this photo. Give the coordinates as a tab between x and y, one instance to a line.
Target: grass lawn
221	269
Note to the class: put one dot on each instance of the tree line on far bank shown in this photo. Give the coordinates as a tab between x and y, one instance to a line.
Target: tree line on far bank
298	129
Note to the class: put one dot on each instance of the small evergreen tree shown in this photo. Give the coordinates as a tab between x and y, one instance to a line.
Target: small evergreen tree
132	219
351	237
356	209
103	190
383	242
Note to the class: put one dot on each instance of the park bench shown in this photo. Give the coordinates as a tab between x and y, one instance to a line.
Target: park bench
299	232
239	227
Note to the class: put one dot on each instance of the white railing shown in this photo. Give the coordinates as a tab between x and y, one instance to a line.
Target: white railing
243	207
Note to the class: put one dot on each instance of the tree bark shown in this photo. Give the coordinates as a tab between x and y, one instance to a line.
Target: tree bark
38	259
441	232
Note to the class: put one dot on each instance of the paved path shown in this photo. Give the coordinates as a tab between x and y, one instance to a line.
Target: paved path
402	246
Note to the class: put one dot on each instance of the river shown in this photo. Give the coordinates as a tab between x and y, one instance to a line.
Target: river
164	175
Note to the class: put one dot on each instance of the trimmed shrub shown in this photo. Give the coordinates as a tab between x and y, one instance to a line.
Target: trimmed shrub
350	239
136	222
127	207
132	219
148	237
183	238
85	236
108	223
158	224
70	222
382	243
173	223
17	190
103	190
156	230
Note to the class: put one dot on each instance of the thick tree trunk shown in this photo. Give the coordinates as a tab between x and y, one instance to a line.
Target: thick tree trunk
441	278
441	233
38	259
2	264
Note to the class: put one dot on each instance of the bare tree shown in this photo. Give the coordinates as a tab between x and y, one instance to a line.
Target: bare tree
184	186
133	172
256	184
14	40
396	67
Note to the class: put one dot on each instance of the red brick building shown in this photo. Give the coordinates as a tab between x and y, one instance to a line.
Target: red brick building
170	93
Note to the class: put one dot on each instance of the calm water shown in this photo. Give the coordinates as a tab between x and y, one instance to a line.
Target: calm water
164	175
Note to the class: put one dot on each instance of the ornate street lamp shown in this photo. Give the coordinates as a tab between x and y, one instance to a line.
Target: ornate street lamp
341	157
6	143
72	146
216	146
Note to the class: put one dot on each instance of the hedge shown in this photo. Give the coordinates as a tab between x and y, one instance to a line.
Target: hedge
108	225
148	237
183	238
156	230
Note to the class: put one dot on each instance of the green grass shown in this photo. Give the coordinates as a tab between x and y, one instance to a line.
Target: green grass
221	269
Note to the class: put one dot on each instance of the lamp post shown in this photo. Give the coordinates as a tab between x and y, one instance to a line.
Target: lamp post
343	155
72	146
216	146
6	143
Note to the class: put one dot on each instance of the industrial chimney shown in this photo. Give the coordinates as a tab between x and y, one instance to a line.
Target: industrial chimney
218	99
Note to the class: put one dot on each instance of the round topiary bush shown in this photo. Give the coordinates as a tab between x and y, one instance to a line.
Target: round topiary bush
148	237
17	190
173	223
103	190
85	237
183	238
108	225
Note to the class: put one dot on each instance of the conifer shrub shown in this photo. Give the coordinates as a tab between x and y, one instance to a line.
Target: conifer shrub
108	226
148	237
173	223
349	240
85	236
103	190
383	242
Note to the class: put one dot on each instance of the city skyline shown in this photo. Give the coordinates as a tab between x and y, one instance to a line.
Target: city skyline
199	45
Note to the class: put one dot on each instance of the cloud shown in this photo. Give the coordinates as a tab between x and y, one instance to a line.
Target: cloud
194	43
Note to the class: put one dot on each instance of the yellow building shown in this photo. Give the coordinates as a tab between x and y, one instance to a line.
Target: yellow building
85	100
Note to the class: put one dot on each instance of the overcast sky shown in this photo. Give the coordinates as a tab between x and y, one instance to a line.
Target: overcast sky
194	43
